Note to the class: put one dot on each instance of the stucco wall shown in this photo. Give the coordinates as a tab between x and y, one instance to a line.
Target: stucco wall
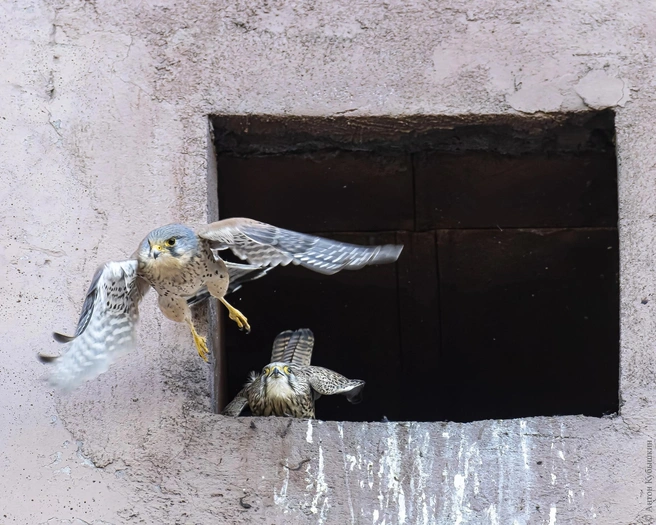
104	135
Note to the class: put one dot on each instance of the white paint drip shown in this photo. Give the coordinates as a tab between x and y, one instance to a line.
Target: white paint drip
401	506
308	435
390	492
321	493
280	497
552	516
466	454
459	484
352	461
491	512
340	427
422	473
523	443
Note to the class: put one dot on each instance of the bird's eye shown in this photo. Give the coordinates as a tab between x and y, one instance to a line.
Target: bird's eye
287	370
266	371
170	242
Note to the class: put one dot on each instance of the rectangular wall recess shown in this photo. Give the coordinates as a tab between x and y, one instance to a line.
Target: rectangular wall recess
505	300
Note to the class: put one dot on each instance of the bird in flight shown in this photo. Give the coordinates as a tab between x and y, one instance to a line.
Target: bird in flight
289	385
182	264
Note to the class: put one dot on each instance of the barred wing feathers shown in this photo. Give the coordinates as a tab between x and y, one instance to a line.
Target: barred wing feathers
106	328
267	245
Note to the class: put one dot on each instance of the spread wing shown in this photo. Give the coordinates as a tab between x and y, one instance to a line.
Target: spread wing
293	347
267	245
328	383
239	274
106	328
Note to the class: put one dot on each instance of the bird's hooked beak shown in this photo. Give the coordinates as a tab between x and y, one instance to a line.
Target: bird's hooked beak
275	372
155	250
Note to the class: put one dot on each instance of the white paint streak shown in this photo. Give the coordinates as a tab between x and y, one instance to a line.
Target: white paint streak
468	455
491	512
390	492
352	461
459	484
561	455
345	456
280	497
523	443
553	478
321	493
308	435
422	474
552	516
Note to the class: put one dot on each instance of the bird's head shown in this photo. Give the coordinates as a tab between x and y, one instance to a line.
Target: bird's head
278	377
170	246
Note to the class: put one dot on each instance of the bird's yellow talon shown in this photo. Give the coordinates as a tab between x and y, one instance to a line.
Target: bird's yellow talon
236	316
200	342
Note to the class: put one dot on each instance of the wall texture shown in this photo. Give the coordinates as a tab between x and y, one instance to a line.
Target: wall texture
104	135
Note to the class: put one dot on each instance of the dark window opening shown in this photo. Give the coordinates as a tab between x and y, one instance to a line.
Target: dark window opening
505	300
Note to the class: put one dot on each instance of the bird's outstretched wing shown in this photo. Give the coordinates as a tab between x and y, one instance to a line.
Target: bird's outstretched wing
267	245
106	328
293	347
239	274
328	383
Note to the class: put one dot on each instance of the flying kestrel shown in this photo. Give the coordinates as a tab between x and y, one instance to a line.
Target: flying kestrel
182	264
289	385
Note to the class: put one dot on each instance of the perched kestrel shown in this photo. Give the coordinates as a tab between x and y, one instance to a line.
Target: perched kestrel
289	385
182	264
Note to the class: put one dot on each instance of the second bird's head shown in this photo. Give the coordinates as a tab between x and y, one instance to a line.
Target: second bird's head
168	246
278	374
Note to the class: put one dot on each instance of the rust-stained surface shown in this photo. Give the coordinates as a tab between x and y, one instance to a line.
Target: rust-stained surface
104	128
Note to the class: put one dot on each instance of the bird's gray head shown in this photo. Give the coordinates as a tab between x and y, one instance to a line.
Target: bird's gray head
170	245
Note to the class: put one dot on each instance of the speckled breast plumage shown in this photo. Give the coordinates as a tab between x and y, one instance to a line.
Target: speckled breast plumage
189	276
295	400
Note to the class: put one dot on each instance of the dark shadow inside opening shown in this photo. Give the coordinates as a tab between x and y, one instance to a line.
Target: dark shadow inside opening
505	300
